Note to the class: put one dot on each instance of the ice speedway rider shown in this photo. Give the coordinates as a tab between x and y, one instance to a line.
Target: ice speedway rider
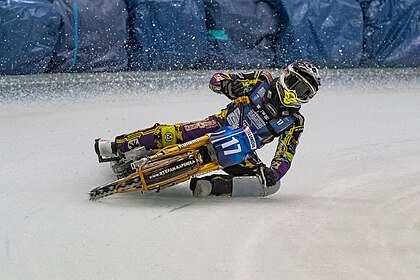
272	113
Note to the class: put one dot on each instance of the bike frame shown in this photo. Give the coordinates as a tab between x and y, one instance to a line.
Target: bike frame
172	154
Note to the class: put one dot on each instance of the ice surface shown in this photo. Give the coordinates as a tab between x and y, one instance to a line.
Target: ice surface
348	209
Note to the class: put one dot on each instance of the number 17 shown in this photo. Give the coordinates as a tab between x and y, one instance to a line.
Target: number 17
231	143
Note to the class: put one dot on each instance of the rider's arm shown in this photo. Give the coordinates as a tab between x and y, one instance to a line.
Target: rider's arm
228	84
286	148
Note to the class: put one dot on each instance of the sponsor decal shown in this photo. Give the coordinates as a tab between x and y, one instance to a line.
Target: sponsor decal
186	144
255	119
251	138
172	169
169	137
190	127
265	116
289	97
233	117
280	122
133	144
261	91
201	125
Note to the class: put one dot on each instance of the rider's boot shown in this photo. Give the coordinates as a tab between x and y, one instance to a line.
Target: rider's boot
106	150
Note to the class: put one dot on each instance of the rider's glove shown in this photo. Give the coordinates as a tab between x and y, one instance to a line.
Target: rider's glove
269	175
233	88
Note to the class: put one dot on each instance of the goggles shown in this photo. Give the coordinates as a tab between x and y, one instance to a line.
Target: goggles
294	82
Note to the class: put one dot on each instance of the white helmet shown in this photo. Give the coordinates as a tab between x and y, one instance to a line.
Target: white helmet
298	83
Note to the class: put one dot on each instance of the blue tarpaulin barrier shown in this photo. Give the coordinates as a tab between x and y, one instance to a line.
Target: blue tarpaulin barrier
113	35
167	34
92	38
328	32
28	34
241	34
392	33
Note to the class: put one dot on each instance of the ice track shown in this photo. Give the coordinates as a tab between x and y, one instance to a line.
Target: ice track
348	209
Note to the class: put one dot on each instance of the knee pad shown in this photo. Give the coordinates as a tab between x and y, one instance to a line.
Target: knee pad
168	135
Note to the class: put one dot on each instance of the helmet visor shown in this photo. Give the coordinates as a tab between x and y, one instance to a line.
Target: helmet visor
297	83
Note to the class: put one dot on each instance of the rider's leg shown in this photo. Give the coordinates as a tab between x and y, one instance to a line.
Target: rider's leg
161	135
157	136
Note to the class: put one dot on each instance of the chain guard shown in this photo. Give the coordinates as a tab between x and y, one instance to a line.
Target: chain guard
163	173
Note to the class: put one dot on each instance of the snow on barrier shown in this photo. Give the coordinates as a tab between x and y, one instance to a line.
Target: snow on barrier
28	34
391	33
112	35
329	33
167	34
92	36
241	34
